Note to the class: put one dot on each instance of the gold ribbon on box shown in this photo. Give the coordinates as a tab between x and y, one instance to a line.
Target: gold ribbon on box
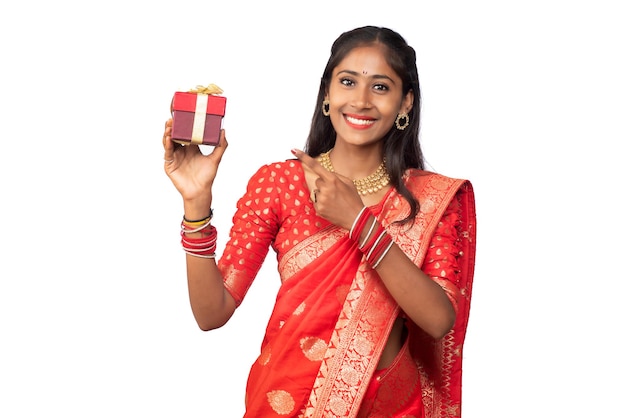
210	89
202	101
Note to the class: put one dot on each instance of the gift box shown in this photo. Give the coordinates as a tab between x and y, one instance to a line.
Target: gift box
197	117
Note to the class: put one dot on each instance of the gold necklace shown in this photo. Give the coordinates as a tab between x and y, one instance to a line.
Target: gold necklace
370	184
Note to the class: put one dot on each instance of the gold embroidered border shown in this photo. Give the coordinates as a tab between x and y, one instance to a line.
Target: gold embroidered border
309	250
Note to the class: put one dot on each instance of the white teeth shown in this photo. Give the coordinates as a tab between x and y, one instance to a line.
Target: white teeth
359	121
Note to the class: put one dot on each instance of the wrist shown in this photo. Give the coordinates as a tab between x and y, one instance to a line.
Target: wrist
197	209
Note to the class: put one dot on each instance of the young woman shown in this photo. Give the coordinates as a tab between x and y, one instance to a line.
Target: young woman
375	254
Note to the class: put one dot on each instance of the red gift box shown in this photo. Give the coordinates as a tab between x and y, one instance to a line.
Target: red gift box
197	118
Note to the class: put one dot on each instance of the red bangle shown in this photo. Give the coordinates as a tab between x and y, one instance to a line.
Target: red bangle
203	246
370	242
359	223
382	255
380	247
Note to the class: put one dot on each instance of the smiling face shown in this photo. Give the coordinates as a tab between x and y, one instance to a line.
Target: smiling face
365	96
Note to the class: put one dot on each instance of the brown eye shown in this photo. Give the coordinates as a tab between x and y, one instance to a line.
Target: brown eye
346	82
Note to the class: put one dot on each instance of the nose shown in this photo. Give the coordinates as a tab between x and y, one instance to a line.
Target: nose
361	98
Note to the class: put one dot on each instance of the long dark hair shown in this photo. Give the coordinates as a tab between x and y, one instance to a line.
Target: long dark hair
401	148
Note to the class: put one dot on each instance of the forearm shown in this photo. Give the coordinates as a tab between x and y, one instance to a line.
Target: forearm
423	300
211	304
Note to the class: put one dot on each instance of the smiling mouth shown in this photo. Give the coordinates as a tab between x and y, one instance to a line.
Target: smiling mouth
359	122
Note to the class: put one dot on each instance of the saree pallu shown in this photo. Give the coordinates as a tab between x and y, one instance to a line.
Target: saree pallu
333	315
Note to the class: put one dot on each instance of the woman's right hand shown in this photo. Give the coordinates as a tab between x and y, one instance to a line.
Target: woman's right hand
192	172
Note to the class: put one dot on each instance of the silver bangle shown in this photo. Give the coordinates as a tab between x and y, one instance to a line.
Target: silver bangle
369	233
382	255
356	220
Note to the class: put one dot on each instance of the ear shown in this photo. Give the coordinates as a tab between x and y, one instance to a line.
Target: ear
407	102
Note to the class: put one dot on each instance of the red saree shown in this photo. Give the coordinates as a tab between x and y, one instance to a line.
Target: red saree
333	315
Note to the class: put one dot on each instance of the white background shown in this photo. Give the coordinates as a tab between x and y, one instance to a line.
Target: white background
525	99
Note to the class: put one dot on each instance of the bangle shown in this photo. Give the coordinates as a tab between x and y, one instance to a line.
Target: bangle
189	227
374	246
199	221
359	223
381	247
372	239
369	234
383	254
201	255
356	220
185	230
203	246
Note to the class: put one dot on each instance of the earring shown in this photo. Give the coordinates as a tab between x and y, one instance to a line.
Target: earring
326	107
402	121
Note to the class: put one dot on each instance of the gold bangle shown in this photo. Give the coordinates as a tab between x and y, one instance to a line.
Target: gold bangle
199	222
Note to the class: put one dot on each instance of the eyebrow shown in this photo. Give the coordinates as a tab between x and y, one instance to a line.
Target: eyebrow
374	76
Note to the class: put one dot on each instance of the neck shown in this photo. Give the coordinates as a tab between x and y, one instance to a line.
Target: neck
356	162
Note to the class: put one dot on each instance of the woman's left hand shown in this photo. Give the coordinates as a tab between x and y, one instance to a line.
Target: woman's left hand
334	196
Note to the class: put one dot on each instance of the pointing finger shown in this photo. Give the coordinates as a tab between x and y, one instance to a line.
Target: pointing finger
310	162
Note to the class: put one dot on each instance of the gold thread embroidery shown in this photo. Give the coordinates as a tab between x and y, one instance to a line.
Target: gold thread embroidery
281	401
338	406
300	309
266	356
313	348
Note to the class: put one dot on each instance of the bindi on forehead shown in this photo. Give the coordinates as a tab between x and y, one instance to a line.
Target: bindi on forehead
364	72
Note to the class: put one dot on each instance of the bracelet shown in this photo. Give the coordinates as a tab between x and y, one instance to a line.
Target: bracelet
379	250
199	244
384	253
185	230
190	227
376	244
356	221
199	221
203	246
369	234
372	239
359	223
201	256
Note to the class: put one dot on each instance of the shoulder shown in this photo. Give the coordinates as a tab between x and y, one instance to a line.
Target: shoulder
279	172
290	165
279	168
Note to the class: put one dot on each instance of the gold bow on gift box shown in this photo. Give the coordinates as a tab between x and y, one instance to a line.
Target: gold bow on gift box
210	89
